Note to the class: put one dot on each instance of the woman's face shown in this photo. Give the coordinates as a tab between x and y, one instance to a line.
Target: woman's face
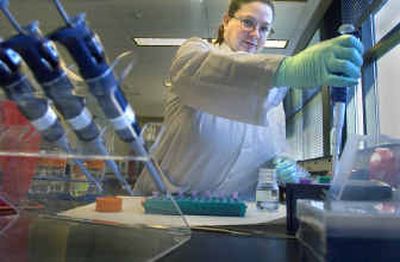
249	28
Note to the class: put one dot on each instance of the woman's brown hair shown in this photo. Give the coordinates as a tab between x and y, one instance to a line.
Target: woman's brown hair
234	6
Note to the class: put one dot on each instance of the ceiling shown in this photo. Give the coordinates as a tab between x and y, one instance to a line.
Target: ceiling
118	21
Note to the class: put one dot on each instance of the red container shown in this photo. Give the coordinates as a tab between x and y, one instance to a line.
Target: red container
16	172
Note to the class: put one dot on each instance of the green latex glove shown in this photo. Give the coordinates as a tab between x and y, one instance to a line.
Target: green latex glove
335	62
287	170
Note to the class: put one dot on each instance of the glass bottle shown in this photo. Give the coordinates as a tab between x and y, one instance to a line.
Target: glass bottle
267	190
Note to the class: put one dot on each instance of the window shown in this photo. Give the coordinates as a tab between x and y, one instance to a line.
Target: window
304	126
388	75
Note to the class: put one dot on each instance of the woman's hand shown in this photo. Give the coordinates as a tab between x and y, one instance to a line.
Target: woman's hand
335	62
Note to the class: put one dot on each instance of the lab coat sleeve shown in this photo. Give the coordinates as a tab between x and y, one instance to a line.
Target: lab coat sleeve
234	85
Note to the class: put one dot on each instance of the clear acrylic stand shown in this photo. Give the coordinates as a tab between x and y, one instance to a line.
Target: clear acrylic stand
45	193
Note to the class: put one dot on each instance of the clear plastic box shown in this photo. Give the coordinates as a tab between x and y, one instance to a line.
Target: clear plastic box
350	230
368	163
360	220
49	205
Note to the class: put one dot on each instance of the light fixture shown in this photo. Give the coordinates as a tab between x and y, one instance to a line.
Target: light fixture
276	43
158	41
140	41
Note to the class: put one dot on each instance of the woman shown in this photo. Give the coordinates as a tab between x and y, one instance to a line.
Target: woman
224	116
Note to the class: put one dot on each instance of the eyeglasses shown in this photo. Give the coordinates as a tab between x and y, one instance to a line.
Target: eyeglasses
249	24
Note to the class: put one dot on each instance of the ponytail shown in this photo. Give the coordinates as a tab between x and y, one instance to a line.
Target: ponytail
220	36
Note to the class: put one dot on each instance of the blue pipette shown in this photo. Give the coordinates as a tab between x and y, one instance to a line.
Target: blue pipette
85	48
339	100
37	110
42	58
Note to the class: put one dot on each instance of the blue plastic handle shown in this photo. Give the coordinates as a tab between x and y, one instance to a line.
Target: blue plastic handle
339	94
39	53
87	51
84	47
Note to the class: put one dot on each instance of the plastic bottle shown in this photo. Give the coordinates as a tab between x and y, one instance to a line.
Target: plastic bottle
267	191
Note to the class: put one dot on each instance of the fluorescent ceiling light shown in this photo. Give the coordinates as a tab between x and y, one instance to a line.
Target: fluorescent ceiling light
270	43
276	43
159	41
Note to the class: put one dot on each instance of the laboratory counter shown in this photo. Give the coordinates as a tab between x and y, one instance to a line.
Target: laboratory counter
262	242
34	237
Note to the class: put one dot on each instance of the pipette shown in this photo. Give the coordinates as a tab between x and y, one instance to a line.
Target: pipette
339	100
37	110
42	58
85	48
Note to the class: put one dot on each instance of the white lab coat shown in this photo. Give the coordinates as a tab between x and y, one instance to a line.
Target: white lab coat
223	120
